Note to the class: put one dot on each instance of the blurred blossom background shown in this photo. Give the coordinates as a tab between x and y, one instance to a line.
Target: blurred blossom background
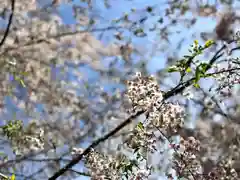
73	58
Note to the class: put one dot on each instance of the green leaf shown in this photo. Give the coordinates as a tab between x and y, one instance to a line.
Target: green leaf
208	43
197	75
25	73
13	177
204	67
22	83
172	69
140	126
196	85
196	42
188	70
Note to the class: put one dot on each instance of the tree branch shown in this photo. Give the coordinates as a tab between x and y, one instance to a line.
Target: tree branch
176	90
94	144
80	173
9	24
111	133
64	34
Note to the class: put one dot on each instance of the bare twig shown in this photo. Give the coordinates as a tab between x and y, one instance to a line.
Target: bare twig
94	144
80	173
60	35
176	151
9	24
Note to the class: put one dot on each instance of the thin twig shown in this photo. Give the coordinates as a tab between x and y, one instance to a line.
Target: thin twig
94	144
60	35
9	24
175	150
80	173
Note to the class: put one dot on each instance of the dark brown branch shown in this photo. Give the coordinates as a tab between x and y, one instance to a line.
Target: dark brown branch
178	89
47	159
64	34
26	157
111	133
9	24
94	144
234	49
80	173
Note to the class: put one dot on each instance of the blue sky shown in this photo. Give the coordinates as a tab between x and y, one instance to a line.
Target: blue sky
118	8
116	11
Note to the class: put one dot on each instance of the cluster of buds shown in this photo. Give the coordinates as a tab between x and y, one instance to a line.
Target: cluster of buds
141	174
224	171
186	163
142	139
145	95
24	140
117	167
229	76
143	92
30	143
167	116
101	166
